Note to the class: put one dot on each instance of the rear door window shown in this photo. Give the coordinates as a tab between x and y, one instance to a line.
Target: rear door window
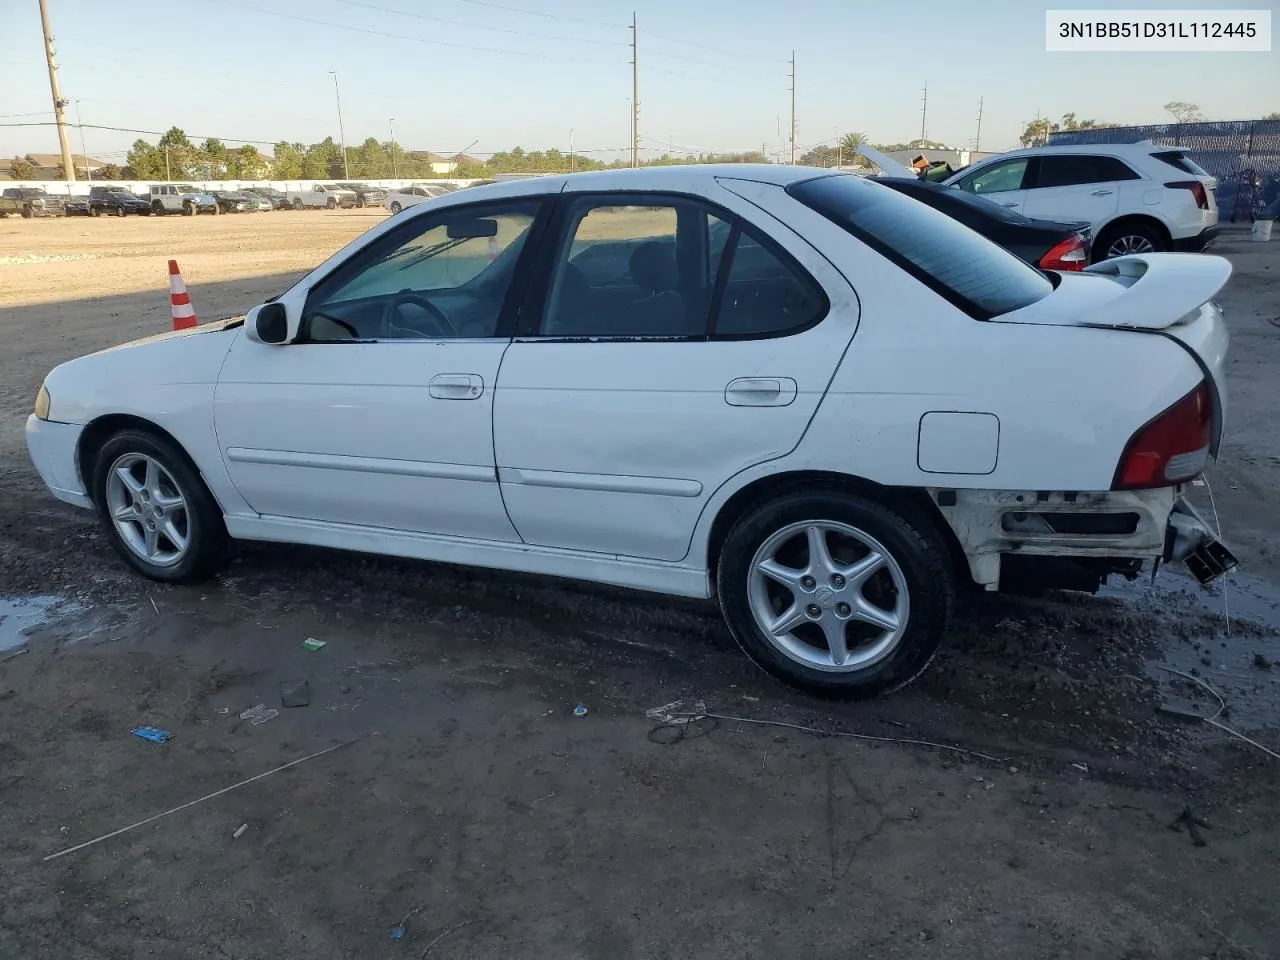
1071	169
970	271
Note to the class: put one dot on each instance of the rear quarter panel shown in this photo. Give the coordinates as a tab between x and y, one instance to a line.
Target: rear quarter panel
1067	398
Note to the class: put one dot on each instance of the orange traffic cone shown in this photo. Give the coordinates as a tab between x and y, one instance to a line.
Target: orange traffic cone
184	315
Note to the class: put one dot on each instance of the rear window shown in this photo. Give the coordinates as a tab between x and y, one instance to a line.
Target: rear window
964	267
1180	161
950	199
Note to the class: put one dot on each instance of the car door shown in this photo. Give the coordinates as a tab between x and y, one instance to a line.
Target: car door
668	342
1075	187
1000	181
380	412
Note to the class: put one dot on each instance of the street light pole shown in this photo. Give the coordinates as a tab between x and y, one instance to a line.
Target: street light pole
391	125
84	152
342	136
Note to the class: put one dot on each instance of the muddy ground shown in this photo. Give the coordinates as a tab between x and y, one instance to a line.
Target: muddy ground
476	805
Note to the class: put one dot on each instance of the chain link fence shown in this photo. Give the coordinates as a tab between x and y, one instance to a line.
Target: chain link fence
1243	154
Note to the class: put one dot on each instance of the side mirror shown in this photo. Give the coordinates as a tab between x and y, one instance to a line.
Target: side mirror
268	323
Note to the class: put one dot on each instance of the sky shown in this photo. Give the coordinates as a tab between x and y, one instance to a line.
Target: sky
487	75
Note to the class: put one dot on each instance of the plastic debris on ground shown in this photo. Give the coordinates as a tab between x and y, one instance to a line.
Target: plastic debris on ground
579	711
259	714
313	644
295	693
240	831
154	734
397	933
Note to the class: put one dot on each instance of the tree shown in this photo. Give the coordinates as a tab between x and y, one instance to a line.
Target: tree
1036	132
287	164
246	163
110	172
21	169
1272	116
849	145
213	155
1184	112
146	160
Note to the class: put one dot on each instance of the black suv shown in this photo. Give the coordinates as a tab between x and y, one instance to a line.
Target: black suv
116	200
366	196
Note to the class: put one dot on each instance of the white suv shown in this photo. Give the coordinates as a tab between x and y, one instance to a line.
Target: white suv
1138	197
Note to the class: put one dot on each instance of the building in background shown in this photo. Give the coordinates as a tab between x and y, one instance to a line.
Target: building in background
48	166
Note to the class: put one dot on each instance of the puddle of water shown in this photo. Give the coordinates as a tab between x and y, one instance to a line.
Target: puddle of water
20	614
1228	663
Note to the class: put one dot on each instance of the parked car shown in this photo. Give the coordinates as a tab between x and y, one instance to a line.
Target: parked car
116	200
233	201
831	421
366	195
1137	197
77	206
328	195
1046	244
181	198
30	202
274	197
396	200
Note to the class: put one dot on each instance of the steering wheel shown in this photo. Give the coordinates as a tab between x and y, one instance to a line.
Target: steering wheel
443	325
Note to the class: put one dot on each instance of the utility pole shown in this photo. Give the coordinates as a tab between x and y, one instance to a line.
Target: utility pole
571	149
391	145
793	108
83	151
977	140
839	154
924	110
635	93
59	104
342	136
166	165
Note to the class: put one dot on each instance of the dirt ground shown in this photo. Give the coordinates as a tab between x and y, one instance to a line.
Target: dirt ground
480	817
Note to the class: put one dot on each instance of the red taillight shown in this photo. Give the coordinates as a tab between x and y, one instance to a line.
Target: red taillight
1070	254
1172	448
1196	188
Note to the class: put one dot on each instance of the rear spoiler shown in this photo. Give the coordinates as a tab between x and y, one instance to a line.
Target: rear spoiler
1163	288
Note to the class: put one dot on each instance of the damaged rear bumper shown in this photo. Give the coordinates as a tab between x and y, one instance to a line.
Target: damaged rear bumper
1099	528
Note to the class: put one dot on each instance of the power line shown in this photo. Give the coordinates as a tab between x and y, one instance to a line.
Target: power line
481	26
692	43
549	16
401	36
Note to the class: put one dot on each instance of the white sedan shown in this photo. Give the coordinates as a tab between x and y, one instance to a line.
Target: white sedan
799	392
401	197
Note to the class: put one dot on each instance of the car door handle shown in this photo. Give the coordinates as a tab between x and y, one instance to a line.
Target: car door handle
456	386
1012	204
760	392
1102	193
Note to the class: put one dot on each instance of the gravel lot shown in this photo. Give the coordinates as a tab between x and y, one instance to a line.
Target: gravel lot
477	806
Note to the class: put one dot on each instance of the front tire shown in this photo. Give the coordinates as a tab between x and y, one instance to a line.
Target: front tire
297	204
1123	239
332	204
395	206
121	212
188	209
156	510
836	593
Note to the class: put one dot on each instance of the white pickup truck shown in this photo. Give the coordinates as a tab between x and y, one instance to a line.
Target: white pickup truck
322	195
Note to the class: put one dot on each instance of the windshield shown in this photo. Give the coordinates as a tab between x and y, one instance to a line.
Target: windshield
967	269
187	188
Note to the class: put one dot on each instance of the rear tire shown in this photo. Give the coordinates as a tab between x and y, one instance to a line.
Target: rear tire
395	206
157	208
95	211
27	213
909	591
163	497
216	209
297	203
1122	239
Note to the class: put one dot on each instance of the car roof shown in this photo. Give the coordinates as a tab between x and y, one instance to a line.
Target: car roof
648	178
1142	147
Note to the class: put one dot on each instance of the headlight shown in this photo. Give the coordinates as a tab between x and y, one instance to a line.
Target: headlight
42	403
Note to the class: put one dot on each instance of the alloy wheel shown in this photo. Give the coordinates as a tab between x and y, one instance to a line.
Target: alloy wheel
148	509
828	596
